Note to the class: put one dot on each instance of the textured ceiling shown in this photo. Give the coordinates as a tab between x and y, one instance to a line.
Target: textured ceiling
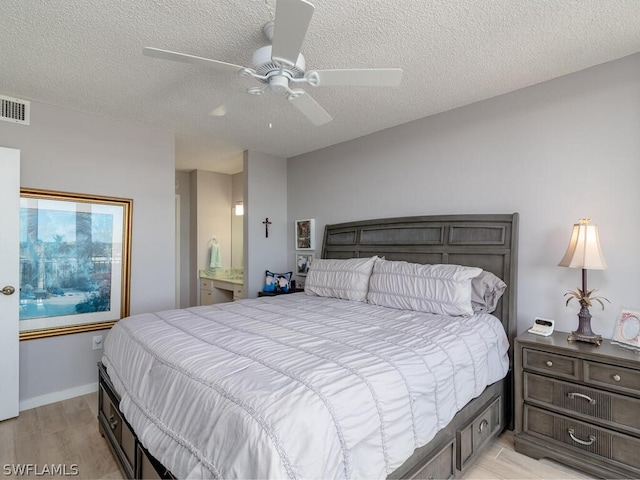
87	56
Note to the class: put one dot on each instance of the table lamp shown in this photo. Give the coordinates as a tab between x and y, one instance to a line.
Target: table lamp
584	252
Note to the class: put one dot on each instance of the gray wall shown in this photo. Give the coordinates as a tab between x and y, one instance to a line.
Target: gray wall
554	152
75	152
265	196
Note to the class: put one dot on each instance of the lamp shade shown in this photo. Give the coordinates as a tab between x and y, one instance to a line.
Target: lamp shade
584	248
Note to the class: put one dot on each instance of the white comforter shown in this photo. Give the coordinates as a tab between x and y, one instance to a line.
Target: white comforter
297	386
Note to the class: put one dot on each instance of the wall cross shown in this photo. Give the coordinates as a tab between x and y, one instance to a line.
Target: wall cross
266	227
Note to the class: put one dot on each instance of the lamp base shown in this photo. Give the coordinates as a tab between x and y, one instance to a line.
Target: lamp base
582	337
584	332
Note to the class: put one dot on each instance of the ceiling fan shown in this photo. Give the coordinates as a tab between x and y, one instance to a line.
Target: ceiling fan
280	67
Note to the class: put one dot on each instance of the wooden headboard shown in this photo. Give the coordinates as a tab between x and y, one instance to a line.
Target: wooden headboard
486	241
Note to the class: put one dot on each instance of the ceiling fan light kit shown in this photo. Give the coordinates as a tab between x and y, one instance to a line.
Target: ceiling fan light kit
280	66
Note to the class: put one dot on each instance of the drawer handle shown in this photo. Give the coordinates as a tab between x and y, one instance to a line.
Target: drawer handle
592	438
616	378
573	395
113	423
483	424
549	363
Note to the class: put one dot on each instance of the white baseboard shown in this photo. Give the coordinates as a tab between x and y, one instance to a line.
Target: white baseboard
53	397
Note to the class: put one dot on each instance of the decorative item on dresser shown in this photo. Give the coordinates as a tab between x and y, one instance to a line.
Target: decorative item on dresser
584	252
578	404
627	329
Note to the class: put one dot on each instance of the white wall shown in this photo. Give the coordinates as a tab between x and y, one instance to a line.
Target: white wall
213	215
210	217
265	195
554	152
75	152
183	189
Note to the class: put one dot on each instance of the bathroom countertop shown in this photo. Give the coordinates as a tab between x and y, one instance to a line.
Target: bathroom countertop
231	275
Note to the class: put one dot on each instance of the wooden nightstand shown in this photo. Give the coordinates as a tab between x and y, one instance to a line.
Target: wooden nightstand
273	294
578	404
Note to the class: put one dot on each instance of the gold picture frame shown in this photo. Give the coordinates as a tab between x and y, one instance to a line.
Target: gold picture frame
75	262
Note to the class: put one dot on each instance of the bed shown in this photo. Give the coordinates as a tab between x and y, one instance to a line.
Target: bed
318	385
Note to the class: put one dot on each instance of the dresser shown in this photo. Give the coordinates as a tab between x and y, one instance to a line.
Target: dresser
578	404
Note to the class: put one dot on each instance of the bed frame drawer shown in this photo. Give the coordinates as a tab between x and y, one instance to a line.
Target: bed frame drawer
119	435
441	466
134	460
475	435
149	468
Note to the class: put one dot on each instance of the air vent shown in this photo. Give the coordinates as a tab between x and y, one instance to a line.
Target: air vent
14	110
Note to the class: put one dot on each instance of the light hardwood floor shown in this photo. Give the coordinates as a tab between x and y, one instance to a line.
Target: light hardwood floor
67	433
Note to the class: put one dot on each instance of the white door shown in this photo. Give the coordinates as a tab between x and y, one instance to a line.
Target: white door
9	280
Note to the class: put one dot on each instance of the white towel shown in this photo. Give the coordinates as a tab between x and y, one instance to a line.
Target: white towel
215	261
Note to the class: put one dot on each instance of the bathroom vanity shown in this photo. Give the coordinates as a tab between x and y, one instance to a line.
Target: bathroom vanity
219	285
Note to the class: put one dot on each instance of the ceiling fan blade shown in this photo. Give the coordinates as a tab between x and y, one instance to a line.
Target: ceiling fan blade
233	104
309	107
292	20
367	77
184	58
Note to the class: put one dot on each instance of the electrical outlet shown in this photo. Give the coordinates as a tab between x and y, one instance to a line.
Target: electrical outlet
97	342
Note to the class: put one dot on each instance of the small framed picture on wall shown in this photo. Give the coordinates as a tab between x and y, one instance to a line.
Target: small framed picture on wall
305	234
303	262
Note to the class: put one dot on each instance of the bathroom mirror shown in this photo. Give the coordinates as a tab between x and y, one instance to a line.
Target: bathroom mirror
237	238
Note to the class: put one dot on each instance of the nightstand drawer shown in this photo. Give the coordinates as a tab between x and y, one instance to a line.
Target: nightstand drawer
550	363
580	436
610	409
620	379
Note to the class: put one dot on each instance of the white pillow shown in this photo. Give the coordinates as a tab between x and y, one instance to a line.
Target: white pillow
440	289
346	279
486	290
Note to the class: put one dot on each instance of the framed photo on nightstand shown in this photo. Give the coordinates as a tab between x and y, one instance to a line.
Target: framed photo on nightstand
627	329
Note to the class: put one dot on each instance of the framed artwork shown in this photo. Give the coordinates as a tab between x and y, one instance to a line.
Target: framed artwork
627	329
75	265
303	262
305	234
